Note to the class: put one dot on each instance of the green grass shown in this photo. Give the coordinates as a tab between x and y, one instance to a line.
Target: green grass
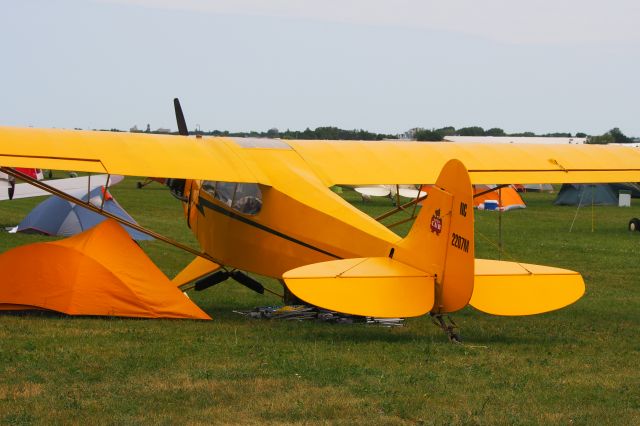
574	366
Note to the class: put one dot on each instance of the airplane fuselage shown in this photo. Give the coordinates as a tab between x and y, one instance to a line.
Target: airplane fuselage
264	230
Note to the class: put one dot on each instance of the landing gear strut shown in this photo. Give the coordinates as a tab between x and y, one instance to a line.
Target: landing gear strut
447	325
289	298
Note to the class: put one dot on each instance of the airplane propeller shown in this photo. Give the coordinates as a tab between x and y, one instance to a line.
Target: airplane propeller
177	186
182	124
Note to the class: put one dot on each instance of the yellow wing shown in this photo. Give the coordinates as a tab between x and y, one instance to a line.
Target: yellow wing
133	154
361	162
510	288
334	162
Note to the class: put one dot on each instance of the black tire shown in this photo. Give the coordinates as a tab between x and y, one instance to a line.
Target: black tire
634	224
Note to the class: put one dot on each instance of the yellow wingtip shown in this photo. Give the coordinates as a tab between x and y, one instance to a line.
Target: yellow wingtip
514	289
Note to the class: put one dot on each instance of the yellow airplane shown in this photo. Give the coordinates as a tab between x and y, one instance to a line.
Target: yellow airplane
265	206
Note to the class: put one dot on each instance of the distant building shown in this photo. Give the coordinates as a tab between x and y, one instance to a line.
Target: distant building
632	144
134	129
409	134
162	130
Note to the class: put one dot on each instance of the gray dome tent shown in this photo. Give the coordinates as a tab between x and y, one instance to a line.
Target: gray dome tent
592	193
55	216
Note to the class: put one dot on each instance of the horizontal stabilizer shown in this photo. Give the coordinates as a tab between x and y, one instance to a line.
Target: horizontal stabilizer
376	286
510	288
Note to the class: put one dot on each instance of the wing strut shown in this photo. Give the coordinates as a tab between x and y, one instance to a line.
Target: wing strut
67	197
491	190
402	208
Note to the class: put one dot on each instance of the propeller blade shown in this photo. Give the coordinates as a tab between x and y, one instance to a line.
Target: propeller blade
182	124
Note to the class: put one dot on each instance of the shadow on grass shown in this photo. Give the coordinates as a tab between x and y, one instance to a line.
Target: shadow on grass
303	331
508	338
36	313
422	330
354	333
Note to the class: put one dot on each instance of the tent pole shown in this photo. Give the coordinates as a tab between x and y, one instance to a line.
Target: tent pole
578	209
499	223
593	196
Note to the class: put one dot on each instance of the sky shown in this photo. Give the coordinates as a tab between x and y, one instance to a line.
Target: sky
380	65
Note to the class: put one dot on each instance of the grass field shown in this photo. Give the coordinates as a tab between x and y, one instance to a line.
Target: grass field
578	365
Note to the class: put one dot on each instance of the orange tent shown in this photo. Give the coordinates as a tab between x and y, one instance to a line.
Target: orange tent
509	197
101	271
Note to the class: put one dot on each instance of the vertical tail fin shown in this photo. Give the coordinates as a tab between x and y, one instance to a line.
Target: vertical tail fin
441	240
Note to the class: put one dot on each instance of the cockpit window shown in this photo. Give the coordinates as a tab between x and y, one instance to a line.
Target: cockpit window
225	191
209	187
243	197
247	199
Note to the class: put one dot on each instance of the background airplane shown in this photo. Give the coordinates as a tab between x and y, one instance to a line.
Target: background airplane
68	185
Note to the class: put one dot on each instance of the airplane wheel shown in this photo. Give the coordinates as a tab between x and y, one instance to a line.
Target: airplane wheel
139	185
634	224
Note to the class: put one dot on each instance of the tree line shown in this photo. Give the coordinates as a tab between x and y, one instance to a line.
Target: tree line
441	133
319	133
614	135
